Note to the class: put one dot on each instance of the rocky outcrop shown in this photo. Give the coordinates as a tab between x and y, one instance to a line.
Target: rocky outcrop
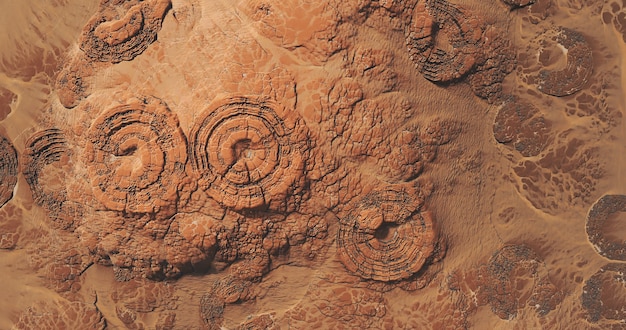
137	299
62	314
565	174
448	43
518	3
605	208
266	164
113	37
500	279
513	281
387	236
440	62
46	182
226	290
248	153
8	170
10	226
578	68
603	296
72	82
136	156
263	321
522	126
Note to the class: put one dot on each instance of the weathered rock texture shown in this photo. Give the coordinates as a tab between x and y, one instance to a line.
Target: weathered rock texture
521	125
62	314
578	68
387	236
10	226
613	12
212	304
267	164
519	3
144	304
121	30
8	170
42	149
136	156
46	157
514	278
436	62
603	296
448	43
143	246
605	208
503	278
72	82
248	153
566	172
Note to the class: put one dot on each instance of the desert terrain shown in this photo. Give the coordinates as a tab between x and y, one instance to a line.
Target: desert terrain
296	164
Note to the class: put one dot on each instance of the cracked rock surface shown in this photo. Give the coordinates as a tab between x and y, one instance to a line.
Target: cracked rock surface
333	164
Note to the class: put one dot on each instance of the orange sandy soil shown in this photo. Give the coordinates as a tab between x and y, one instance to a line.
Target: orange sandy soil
250	164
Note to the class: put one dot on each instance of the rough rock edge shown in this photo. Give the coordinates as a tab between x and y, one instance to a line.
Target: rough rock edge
8	170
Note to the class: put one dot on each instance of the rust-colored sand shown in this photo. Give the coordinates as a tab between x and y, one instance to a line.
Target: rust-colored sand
250	164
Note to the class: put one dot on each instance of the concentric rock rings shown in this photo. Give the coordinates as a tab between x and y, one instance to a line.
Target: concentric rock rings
42	149
241	149
579	65
8	170
385	237
136	157
442	63
109	37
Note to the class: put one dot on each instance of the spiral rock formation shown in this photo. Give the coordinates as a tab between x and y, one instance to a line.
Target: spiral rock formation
599	213
386	237
110	37
42	149
8	170
440	63
242	150
449	43
579	65
136	157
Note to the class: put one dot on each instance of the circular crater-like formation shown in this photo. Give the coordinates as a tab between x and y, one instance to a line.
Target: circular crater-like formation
42	149
136	156
386	237
72	82
113	37
521	125
243	152
604	295
514	277
8	170
443	41
578	68
599	214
